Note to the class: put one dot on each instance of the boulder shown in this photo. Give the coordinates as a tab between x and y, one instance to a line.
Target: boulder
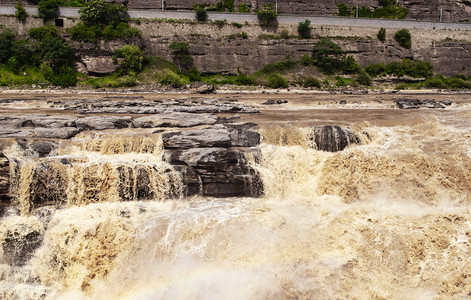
332	138
222	172
418	103
202	88
99	65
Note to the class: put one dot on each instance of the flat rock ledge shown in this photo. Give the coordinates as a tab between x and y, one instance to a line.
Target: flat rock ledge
210	152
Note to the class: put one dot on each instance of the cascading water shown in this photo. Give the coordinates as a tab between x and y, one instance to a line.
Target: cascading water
388	218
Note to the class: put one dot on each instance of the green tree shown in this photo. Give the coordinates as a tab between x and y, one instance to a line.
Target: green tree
132	58
6	40
47	9
99	12
243	8
304	29
181	55
328	56
403	37
20	12
201	14
381	34
266	15
344	11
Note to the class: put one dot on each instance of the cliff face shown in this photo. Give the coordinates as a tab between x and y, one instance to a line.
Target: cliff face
216	49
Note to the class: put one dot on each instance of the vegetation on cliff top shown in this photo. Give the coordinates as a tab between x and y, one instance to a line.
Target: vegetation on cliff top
102	20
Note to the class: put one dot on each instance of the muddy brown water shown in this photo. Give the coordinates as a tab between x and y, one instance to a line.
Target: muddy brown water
387	219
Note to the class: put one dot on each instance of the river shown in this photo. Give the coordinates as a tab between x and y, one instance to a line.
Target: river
388	218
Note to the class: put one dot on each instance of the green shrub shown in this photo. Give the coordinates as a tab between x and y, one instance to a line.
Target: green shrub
20	12
266	15
240	35
132	58
328	56
457	82
200	13
306	60
403	37
194	74
85	33
435	82
412	68
304	29
243	8
6	40
381	34
98	12
235	24
311	82
284	34
276	81
220	22
344	11
278	67
47	9
44	32
122	31
22	54
56	52
64	77
363	78
340	81
181	55
168	77
375	69
243	79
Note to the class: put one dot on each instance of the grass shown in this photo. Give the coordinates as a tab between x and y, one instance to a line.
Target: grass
25	76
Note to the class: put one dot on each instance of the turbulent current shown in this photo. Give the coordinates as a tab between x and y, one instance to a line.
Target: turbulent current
388	218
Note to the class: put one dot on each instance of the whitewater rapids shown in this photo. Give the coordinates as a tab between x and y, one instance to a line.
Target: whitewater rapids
387	219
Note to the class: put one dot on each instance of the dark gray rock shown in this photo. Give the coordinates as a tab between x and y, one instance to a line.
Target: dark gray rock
222	172
418	103
332	138
4	179
19	245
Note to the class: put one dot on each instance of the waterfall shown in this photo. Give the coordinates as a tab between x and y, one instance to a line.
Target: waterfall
387	217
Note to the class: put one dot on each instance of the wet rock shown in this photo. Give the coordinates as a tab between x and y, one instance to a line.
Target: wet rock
222	172
272	102
4	179
174	119
242	136
40	147
197	139
332	138
19	244
446	102
417	103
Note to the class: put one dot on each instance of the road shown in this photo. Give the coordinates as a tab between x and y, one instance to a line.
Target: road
283	19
